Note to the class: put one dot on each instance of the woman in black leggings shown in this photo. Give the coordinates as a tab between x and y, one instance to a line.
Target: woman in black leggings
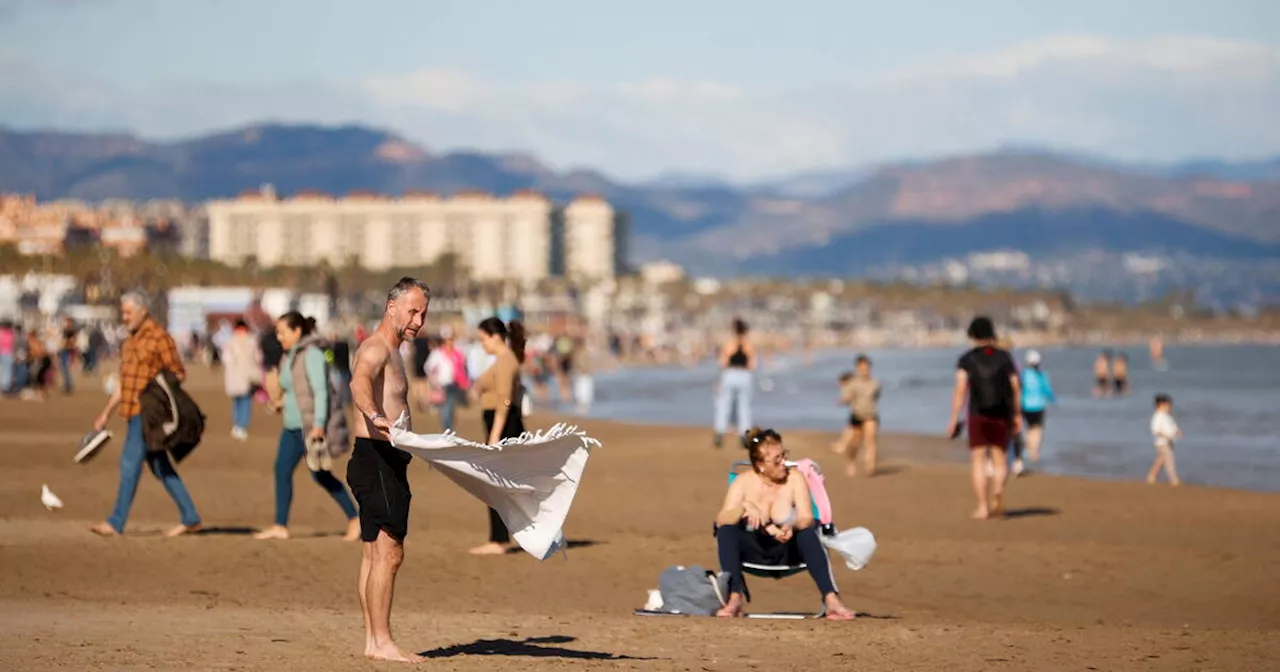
501	393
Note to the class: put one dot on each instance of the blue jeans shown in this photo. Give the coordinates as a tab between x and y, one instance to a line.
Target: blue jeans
291	451
131	458
241	407
448	409
735	395
64	364
6	373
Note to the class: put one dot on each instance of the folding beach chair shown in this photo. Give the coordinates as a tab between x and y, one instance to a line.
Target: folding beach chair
826	529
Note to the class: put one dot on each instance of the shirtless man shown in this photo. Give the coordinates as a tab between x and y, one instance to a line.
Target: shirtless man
1102	374
377	472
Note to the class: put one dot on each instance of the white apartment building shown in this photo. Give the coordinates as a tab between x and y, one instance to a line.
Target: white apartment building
495	238
592	239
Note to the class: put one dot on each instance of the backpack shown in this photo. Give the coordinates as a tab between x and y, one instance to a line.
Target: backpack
693	590
337	433
990	389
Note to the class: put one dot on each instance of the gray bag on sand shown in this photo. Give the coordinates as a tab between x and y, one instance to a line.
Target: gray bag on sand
693	590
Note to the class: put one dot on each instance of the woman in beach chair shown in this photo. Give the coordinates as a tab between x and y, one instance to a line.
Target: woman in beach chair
767	519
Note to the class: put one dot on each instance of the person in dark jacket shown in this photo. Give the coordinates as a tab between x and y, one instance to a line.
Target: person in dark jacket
147	351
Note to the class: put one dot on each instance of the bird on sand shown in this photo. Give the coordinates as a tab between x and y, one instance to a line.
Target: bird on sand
50	500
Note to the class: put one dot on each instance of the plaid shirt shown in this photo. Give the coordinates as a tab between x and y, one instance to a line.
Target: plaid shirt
146	353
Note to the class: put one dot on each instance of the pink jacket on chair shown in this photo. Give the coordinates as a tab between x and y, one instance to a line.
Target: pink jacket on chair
817	489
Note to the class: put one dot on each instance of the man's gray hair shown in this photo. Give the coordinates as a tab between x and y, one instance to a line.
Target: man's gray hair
405	285
137	298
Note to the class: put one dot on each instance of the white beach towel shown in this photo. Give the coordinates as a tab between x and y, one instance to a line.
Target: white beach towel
530	480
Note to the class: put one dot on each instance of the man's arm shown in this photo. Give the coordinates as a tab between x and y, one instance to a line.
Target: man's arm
100	423
170	360
371	359
1016	382
957	397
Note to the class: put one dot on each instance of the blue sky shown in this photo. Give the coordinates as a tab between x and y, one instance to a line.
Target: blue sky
743	89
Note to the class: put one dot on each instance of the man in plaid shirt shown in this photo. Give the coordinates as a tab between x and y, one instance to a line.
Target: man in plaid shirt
147	351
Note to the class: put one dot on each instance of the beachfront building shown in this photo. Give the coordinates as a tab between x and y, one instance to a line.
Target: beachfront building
125	227
494	238
590	239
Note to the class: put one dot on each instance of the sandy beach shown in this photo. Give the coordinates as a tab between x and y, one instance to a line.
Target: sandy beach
1084	575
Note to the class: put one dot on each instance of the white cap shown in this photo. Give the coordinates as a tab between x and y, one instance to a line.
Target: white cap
1033	358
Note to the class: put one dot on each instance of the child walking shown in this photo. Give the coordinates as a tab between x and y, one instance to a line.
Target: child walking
1165	430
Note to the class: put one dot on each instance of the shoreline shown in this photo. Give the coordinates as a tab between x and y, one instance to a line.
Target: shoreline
895	449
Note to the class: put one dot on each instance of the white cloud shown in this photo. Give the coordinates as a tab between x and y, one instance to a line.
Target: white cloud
1158	99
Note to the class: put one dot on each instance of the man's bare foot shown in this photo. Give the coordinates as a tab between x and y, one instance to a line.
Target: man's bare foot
997	506
870	469
836	611
837	448
733	609
851	470
981	513
391	652
1151	480
105	530
353	530
273	532
184	529
491	548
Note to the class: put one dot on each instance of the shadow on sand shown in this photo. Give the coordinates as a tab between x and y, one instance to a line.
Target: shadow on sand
573	543
1030	512
534	647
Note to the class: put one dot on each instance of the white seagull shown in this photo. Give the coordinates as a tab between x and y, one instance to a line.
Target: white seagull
49	499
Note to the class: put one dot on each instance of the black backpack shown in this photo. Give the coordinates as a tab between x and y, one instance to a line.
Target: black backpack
991	393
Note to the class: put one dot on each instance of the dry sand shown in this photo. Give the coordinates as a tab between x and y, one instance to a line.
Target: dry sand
1086	575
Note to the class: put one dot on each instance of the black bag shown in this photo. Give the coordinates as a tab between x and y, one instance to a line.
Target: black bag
991	393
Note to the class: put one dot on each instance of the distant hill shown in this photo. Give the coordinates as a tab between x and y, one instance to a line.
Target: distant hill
1030	199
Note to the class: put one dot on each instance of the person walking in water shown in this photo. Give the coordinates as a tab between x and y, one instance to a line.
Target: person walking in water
1102	374
304	384
1037	394
861	393
1120	374
987	378
1165	431
147	351
737	360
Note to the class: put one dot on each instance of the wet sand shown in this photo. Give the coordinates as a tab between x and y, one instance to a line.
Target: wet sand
1084	575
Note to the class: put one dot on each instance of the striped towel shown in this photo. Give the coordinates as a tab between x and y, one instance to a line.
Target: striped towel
530	480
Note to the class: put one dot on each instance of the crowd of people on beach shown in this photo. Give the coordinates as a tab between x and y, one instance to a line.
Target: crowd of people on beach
35	357
338	394
1000	402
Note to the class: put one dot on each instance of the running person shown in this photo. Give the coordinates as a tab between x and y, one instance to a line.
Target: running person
377	472
862	394
1037	394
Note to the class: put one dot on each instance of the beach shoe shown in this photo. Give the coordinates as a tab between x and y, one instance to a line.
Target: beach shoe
91	444
318	458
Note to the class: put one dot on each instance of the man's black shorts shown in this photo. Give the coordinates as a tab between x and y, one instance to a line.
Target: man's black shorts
378	477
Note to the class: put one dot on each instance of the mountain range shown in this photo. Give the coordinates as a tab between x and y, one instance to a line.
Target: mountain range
1044	203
